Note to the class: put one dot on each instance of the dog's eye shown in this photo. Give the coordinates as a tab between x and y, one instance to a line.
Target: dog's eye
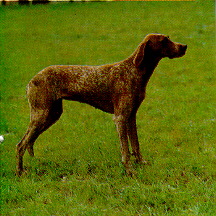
167	38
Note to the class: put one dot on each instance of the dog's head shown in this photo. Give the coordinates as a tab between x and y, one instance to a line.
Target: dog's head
159	46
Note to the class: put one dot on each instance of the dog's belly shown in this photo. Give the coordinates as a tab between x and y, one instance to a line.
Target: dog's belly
101	103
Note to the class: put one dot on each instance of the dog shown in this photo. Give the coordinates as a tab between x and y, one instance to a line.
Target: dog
117	88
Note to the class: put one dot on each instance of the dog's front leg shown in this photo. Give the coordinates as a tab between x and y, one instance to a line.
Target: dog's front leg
132	133
121	126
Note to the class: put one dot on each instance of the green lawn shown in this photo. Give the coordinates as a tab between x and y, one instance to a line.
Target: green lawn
77	168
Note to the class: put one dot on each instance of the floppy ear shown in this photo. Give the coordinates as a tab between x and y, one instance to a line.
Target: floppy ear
141	51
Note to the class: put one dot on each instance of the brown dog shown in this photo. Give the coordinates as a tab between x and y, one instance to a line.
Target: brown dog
117	88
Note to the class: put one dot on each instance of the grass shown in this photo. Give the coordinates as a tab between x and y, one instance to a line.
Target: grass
77	169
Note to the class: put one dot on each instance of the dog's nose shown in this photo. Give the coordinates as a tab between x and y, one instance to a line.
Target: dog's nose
184	47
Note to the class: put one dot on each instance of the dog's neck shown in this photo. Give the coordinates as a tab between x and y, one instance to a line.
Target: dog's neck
148	64
147	68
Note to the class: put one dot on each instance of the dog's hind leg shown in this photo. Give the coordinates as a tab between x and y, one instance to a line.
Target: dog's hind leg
41	120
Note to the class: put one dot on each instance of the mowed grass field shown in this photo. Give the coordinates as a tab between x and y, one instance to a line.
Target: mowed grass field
77	166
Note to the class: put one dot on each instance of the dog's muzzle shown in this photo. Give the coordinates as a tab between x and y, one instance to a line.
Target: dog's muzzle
180	51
